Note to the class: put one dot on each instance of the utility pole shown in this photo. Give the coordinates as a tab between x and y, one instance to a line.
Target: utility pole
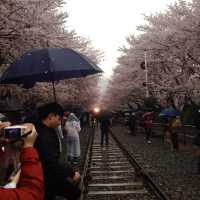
146	73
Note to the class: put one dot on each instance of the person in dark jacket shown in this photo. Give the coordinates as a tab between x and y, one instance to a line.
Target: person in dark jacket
59	179
31	183
197	138
131	123
105	124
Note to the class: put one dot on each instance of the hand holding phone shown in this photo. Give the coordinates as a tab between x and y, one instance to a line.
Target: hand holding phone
14	132
31	135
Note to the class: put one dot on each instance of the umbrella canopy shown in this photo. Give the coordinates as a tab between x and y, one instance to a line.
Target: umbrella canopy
48	65
169	112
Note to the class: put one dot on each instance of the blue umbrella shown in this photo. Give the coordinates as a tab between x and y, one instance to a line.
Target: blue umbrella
169	112
48	65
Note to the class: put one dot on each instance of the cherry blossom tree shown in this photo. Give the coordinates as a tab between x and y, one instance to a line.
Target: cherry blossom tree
28	24
170	41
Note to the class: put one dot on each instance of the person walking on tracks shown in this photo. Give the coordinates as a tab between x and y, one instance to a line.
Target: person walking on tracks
148	124
105	124
175	126
131	123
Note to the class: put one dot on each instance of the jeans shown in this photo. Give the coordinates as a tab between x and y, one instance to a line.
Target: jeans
104	137
148	133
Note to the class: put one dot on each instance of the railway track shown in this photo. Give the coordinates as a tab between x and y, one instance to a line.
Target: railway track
111	173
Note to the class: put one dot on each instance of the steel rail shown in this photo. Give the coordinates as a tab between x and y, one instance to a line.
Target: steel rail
140	171
83	183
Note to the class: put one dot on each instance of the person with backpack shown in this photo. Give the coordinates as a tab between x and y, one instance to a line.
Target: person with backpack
175	125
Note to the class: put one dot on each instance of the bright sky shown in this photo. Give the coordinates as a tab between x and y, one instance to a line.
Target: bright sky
107	22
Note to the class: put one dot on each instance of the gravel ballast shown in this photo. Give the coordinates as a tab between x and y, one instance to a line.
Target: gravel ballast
174	172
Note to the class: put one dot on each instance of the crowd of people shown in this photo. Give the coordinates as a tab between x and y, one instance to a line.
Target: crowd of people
147	121
41	173
171	127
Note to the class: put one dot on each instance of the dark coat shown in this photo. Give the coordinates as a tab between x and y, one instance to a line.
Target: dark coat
105	124
47	145
131	121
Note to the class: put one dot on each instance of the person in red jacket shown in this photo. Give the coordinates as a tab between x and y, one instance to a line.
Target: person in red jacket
148	124
31	183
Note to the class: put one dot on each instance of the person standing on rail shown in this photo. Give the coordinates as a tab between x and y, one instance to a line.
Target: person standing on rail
105	125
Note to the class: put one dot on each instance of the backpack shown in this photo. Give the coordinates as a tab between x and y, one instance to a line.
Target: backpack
176	123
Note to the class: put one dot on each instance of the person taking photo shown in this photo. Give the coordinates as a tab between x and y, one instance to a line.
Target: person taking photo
29	180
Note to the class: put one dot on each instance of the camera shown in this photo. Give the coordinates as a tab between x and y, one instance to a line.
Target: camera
14	132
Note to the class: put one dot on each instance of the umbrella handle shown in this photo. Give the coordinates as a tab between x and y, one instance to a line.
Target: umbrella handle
54	91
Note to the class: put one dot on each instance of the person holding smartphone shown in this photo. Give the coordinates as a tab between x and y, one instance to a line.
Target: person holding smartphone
29	179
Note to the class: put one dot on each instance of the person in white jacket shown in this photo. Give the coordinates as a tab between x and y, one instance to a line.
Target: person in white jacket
72	127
